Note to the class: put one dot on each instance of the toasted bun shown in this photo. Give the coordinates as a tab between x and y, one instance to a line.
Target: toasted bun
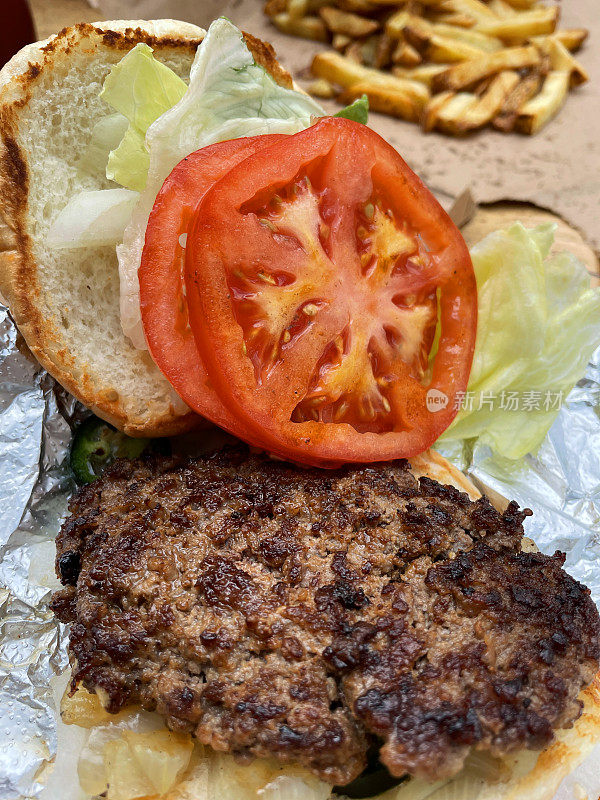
431	464
66	303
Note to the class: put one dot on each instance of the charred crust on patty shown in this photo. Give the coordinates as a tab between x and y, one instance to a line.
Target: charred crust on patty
274	611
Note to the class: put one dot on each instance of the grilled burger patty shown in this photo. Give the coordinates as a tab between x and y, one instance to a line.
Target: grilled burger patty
306	614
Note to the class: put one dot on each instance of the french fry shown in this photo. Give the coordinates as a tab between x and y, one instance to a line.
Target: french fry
362	52
383	51
301	8
522	4
440	49
340	70
545	65
540	109
572	38
395	103
423	28
356	6
473	8
406	54
453	65
562	61
488	104
273	7
340	41
354	52
501	8
527	88
346	23
469	72
457	20
433	108
523	26
315	5
424	73
368	51
322	88
472	37
306	27
395	25
483	85
452	111
406	15
297	8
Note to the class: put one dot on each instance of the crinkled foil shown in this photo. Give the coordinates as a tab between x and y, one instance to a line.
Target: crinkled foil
561	484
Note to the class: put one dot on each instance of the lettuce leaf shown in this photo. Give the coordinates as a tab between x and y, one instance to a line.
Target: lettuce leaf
139	88
538	325
358	111
128	163
229	96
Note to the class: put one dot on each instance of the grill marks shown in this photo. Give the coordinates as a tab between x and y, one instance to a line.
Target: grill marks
272	610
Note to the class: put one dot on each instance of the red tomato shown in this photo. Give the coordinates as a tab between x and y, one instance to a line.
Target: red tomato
332	298
162	295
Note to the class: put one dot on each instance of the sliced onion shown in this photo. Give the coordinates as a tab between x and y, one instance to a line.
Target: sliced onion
293	787
92	767
160	756
92	219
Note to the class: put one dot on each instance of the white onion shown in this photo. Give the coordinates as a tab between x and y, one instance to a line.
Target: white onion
92	219
292	787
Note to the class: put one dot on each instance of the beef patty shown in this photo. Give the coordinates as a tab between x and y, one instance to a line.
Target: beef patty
307	614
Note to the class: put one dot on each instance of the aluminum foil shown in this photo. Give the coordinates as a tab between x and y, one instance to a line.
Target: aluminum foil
561	484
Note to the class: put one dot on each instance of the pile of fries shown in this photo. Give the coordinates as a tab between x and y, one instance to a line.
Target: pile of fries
451	65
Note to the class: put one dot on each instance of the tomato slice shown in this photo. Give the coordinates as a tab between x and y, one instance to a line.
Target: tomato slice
332	298
162	289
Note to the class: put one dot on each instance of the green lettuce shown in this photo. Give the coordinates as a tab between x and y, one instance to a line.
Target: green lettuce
238	92
538	326
229	96
358	111
139	88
